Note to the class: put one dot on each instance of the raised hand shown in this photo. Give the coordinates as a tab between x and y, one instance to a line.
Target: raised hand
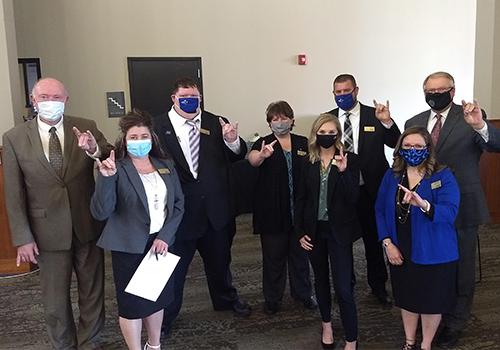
229	130
27	253
341	161
159	247
267	150
305	242
108	166
473	115
413	198
382	111
86	141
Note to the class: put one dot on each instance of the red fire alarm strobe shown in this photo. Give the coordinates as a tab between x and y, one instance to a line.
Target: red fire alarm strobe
302	59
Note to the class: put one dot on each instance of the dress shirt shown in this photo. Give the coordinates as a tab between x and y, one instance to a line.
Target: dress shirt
43	130
182	131
156	194
444	114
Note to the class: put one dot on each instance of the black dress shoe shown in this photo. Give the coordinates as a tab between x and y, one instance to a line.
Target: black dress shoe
448	338
271	307
241	308
383	298
310	303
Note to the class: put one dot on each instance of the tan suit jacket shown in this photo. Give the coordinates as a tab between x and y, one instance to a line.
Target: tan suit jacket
42	206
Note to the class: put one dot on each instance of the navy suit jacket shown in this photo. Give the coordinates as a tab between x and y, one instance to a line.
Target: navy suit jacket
434	240
372	138
121	199
209	198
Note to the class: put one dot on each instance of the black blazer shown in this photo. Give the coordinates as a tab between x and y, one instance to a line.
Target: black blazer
271	209
343	193
372	138
209	198
460	147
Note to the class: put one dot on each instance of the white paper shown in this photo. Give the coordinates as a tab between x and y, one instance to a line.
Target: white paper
152	275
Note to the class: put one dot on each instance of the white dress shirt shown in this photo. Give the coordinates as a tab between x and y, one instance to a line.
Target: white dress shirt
156	193
43	130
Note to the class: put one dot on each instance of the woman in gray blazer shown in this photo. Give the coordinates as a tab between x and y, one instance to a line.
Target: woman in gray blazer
140	196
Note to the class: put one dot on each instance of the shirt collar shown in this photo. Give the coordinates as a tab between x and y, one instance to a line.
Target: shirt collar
46	127
355	111
444	113
178	120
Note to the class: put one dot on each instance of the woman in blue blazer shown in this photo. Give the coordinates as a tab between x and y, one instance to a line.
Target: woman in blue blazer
416	208
140	197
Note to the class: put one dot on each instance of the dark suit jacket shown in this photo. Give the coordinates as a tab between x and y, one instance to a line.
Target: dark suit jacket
43	207
373	162
460	147
121	200
271	210
343	193
209	198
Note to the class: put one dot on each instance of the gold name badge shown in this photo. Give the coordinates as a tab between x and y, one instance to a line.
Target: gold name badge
164	171
436	184
301	153
369	129
205	131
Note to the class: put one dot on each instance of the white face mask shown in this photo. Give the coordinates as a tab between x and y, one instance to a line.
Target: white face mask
50	110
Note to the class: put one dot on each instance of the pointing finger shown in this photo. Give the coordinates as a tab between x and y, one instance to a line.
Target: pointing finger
222	122
112	155
273	143
76	131
387	104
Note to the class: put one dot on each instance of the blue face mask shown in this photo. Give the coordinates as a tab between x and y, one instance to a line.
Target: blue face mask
345	102
139	148
189	104
414	157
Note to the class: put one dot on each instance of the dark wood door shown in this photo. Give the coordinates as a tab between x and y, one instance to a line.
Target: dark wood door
152	78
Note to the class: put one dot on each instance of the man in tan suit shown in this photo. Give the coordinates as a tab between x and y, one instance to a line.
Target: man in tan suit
49	181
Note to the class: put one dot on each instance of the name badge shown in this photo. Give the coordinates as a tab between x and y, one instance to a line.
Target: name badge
204	131
301	153
436	184
369	129
164	171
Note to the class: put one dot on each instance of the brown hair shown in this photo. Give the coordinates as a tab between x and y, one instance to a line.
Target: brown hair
342	78
429	166
279	108
184	82
137	118
314	149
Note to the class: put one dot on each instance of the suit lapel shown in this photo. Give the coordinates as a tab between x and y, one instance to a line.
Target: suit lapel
362	124
173	145
454	115
332	181
69	143
136	182
34	137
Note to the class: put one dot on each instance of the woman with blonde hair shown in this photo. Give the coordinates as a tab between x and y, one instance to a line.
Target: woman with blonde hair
327	224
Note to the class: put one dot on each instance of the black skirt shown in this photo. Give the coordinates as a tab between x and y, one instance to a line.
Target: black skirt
131	306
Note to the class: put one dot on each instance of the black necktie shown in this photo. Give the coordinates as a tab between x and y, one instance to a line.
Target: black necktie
55	152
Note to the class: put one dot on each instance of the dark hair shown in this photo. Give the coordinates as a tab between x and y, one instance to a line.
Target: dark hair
137	118
342	78
184	82
279	108
430	165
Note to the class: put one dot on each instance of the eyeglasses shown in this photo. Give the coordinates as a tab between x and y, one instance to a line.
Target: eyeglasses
438	90
416	147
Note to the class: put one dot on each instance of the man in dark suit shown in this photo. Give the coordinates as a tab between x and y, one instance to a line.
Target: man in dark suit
203	146
365	131
461	134
50	182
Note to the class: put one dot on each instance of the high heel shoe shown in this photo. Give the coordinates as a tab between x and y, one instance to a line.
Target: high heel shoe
328	345
148	346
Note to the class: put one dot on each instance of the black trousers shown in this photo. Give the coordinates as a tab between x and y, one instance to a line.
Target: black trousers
466	279
215	250
375	262
278	251
328	253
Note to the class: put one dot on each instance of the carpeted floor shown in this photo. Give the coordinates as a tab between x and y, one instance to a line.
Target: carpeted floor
199	327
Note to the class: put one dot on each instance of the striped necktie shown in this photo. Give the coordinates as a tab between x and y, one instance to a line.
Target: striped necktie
194	142
436	129
55	152
348	137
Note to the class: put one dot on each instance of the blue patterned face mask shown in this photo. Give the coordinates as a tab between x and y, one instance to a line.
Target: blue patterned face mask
189	104
345	102
414	157
139	148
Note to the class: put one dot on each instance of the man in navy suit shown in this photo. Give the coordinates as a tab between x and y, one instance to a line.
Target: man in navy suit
365	131
203	147
461	134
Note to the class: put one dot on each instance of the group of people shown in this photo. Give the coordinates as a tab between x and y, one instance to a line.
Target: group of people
167	186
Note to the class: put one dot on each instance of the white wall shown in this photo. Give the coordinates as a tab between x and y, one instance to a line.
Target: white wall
249	49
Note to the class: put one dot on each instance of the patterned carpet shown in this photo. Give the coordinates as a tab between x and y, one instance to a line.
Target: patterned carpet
199	327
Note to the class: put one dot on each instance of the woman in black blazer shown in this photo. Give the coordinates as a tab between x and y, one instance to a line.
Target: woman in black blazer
280	157
141	198
327	224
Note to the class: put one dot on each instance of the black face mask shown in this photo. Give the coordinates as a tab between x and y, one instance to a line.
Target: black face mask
325	141
439	101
